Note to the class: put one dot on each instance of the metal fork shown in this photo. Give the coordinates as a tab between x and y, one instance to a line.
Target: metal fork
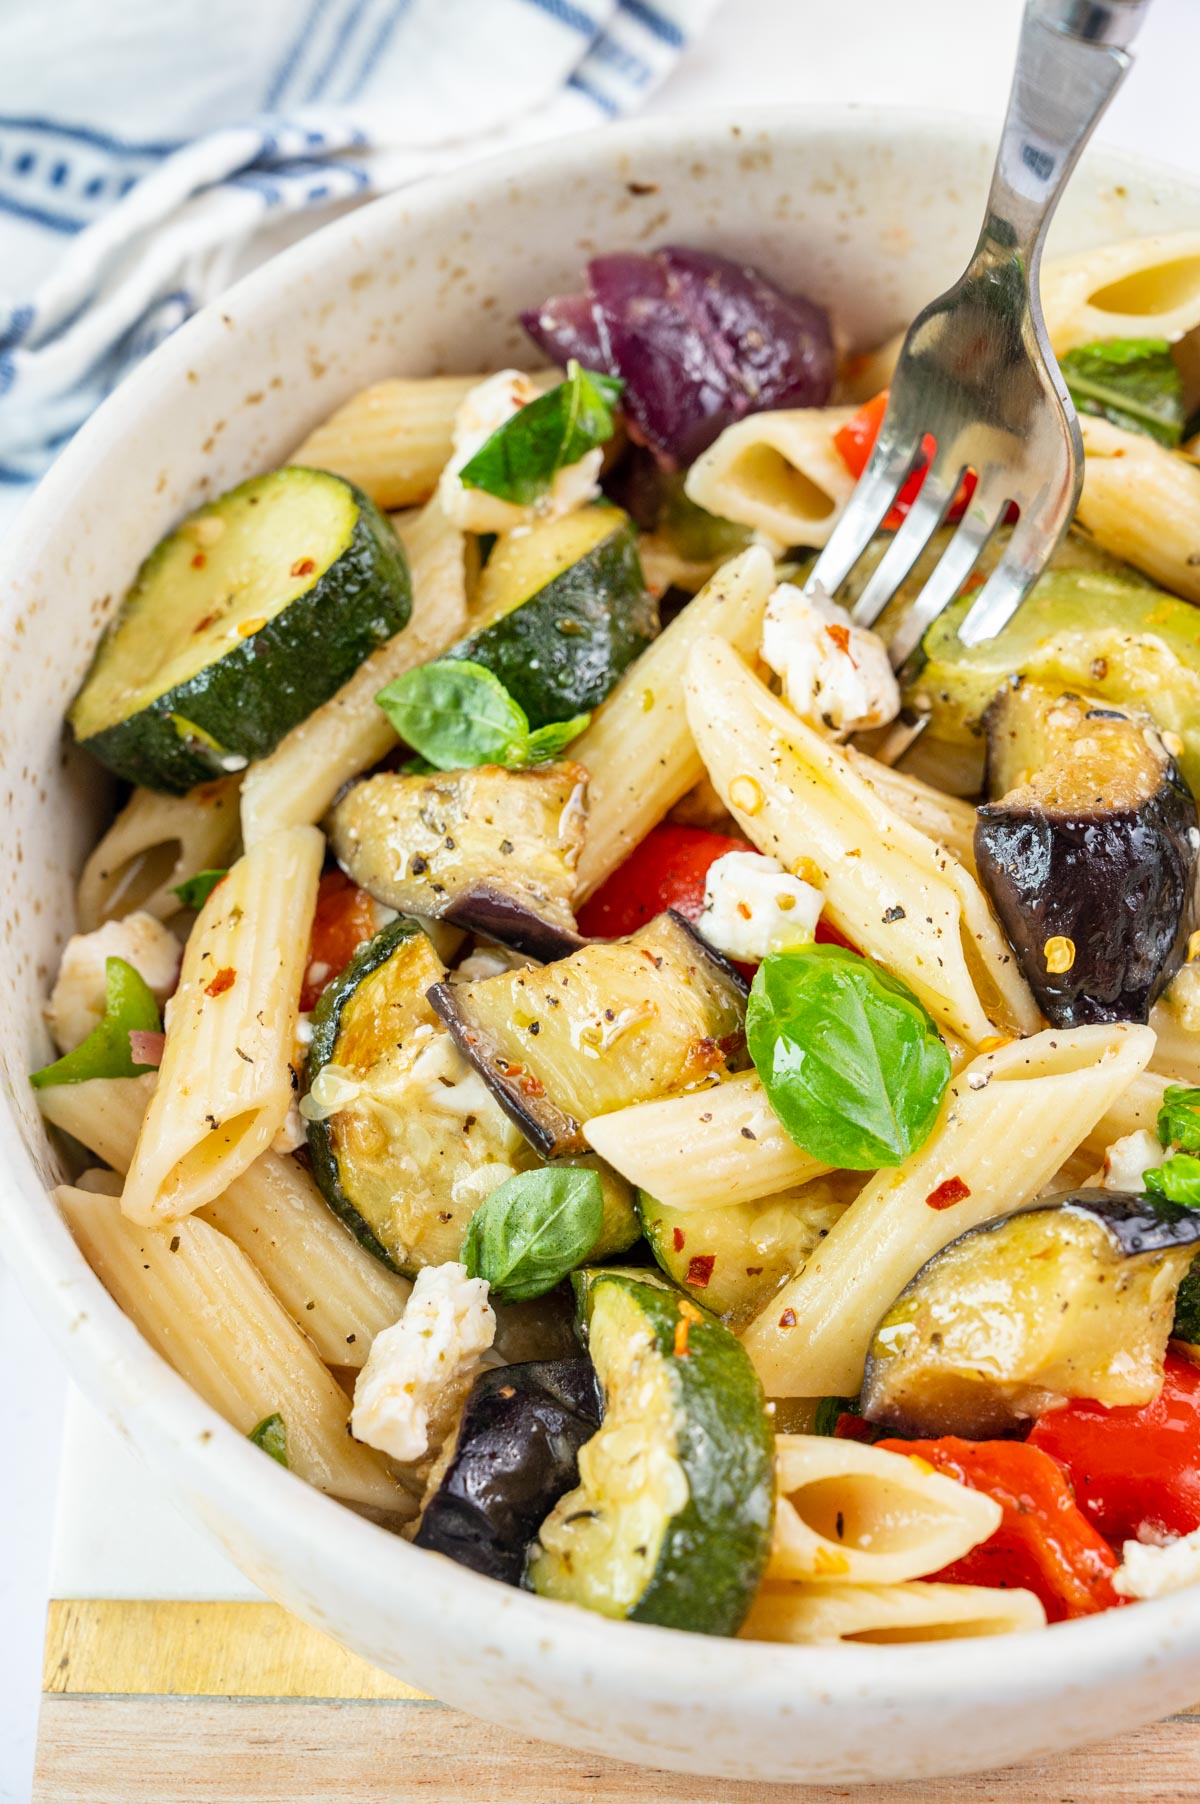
976	373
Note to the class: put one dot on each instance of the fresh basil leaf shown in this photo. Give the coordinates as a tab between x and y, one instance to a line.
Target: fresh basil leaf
129	1007
271	1436
456	714
521	459
194	892
533	1230
1179	1118
1187	1306
548	741
1177	1179
849	1058
829	1409
1134	382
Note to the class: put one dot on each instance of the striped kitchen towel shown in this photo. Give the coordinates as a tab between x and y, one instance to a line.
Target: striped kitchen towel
150	153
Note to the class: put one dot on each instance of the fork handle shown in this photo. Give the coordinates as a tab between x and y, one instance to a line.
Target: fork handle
1114	22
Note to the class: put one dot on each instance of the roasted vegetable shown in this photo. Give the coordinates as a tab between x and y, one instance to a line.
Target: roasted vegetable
1089	854
671	1521
1073	1297
405	1140
731	1259
514	1455
488	849
612	1025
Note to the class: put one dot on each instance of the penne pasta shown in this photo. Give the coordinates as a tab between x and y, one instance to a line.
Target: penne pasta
894	892
341	1295
225	1080
155	843
639	751
391	440
779	472
854	1514
887	1613
1140	288
1141	502
200	1302
944	818
295	785
1007	1124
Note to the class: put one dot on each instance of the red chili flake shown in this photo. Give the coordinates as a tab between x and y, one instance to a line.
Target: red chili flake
199	560
753	1271
224	980
681	1337
840	636
743	909
677	1239
700	1269
788	1319
202	626
947	1194
304	566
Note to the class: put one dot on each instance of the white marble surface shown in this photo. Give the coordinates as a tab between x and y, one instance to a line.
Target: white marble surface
111	1534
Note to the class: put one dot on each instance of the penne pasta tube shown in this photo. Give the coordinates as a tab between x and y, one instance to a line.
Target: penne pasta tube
1138	288
639	751
391	440
779	472
1136	1107
341	1295
225	1080
944	818
155	843
886	1613
1008	1122
297	782
1141	502
854	1514
893	891
200	1302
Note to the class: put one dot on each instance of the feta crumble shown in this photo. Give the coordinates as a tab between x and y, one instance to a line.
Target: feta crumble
752	907
832	671
422	1363
1154	1571
76	1003
483	410
1128	1158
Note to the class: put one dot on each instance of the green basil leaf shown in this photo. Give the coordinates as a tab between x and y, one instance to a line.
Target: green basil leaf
849	1058
1177	1179
456	714
521	459
1179	1118
129	1007
1187	1306
271	1435
533	1230
829	1409
1134	382
194	892
548	741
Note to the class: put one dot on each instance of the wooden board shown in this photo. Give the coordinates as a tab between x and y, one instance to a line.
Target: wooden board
222	1703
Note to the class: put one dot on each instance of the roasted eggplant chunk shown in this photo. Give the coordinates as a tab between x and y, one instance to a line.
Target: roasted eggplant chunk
614	1024
1088	852
1073	1297
515	1454
489	849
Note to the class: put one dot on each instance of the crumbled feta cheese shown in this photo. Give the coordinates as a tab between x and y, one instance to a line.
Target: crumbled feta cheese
752	907
1130	1156
483	411
448	1082
1147	1570
76	1003
488	961
291	1135
434	1349
832	670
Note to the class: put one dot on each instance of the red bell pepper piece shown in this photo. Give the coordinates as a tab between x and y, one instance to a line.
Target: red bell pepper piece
855	441
1133	1468
1044	1543
345	917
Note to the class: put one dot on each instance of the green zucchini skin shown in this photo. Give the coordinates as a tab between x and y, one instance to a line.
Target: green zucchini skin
247	699
561	651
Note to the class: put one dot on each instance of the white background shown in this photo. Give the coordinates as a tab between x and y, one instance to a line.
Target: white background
946	54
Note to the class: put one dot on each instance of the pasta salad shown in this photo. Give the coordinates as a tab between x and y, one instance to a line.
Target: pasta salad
581	1062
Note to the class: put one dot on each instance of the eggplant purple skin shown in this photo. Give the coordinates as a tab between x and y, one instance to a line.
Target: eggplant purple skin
487	910
699	341
1118	884
1137	1223
516	1454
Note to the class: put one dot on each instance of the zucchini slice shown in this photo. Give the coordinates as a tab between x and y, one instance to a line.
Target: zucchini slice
671	1522
489	849
1074	1297
732	1259
405	1141
242	622
563	609
614	1024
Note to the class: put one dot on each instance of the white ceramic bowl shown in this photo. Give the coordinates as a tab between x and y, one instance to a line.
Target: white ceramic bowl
870	212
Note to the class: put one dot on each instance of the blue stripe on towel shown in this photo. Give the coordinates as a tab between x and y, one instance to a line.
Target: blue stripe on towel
295	51
596	95
85	134
56	222
655	22
567	14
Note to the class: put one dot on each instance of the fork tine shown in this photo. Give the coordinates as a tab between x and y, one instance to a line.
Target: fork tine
954	567
1003	592
869	506
926	514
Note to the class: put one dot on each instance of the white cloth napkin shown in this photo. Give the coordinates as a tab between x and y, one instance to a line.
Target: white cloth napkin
150	152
